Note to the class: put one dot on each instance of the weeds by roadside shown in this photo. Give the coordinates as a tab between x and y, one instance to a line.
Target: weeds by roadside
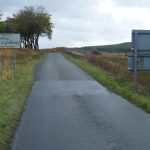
122	87
14	90
115	64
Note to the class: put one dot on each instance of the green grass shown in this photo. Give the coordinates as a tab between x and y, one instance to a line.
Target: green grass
13	94
111	83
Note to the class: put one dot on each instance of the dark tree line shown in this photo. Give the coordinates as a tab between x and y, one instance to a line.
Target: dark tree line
31	23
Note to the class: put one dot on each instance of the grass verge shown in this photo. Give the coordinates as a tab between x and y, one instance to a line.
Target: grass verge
13	94
110	82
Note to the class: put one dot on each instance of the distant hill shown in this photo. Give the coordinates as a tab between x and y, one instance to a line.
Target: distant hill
121	47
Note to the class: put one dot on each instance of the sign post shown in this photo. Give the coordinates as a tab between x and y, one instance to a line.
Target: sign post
139	58
135	70
10	40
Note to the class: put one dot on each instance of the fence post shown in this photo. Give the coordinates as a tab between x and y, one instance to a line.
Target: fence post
14	62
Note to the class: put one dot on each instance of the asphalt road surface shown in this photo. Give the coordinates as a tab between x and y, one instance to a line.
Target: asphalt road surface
68	110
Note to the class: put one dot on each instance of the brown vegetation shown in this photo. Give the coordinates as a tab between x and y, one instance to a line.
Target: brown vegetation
6	60
115	64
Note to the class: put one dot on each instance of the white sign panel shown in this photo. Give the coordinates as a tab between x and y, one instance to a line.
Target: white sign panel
9	40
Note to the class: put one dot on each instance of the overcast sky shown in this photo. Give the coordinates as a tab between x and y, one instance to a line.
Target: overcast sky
88	22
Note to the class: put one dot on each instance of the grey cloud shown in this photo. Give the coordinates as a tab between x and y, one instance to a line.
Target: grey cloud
136	3
80	21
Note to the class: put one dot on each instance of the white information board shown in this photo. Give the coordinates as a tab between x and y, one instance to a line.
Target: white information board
9	40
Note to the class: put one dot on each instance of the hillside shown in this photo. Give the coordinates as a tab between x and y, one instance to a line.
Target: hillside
121	47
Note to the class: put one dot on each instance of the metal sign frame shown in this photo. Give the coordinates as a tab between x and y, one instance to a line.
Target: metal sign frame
140	48
10	40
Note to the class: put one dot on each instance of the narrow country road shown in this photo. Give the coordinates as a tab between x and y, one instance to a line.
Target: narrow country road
68	110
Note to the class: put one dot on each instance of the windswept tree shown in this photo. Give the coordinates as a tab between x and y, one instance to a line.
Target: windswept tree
1	14
9	25
32	23
2	26
1	23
